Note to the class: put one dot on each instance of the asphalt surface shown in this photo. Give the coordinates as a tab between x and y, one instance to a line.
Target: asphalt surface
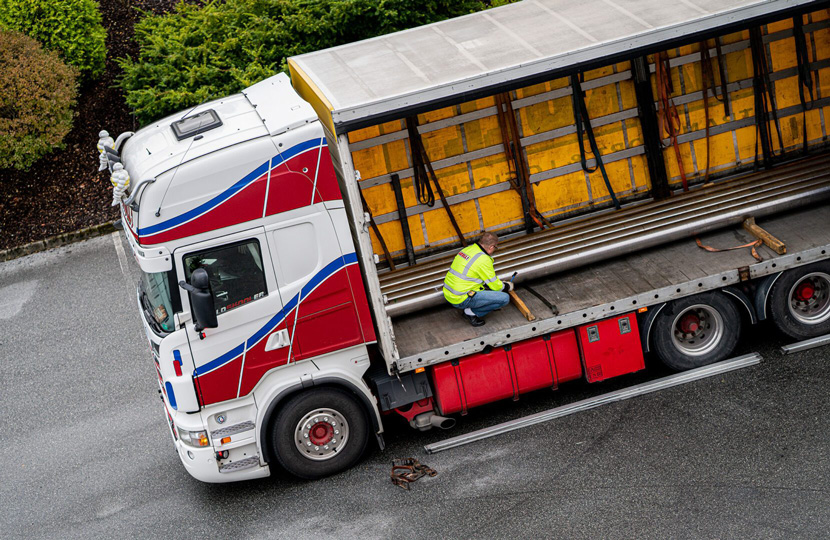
86	452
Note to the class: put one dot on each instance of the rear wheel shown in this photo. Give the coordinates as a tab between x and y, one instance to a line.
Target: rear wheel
800	301
696	331
319	433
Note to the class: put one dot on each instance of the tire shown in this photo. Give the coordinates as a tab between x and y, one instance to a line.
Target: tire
338	422
696	331
799	302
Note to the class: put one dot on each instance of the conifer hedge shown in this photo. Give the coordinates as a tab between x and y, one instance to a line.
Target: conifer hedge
205	51
72	28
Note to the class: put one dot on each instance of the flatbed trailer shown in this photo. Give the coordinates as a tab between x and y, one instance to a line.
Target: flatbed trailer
293	239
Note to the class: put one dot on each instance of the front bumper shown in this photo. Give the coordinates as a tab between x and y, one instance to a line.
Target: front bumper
242	461
202	466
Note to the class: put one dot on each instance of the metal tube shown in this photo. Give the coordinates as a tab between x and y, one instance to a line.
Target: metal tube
513	254
585	242
427	296
631	217
594	402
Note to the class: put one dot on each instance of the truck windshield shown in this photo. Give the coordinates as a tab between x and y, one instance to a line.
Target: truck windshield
157	301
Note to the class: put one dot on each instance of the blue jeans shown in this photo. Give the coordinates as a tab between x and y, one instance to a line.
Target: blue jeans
484	302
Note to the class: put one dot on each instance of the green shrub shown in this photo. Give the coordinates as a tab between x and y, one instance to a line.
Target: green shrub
201	52
37	92
70	27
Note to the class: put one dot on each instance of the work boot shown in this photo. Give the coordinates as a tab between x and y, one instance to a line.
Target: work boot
475	321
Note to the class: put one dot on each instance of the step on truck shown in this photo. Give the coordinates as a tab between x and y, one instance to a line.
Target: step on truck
292	239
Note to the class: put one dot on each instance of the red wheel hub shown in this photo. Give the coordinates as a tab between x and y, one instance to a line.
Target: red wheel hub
321	433
689	323
805	291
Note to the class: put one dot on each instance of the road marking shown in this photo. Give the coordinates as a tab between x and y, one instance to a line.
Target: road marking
122	261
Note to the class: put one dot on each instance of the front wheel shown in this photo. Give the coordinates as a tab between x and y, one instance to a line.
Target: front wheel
319	432
800	301
696	331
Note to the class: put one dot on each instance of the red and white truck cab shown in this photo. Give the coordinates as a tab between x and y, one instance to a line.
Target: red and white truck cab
246	191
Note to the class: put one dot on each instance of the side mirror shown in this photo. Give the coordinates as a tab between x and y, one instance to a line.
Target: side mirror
204	311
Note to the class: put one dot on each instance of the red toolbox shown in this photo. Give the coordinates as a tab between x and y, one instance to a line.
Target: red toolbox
611	347
506	372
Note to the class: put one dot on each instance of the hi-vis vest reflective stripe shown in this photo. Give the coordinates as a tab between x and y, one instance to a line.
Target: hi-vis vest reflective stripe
471	269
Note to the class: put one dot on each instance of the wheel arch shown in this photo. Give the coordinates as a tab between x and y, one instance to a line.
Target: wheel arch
323	382
647	323
762	292
742	300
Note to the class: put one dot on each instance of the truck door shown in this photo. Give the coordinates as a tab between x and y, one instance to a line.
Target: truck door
313	277
248	307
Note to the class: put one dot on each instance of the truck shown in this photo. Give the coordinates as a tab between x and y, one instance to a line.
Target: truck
292	240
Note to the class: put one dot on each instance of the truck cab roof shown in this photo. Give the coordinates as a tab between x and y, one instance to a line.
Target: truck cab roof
270	107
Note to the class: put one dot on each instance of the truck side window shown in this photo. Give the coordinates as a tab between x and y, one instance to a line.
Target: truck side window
236	273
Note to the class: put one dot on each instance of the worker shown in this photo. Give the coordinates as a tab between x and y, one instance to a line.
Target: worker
471	283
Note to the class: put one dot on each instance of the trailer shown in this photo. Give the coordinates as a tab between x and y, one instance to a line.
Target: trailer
656	171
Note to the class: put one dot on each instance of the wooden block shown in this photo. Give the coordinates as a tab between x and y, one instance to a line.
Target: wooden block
521	306
769	240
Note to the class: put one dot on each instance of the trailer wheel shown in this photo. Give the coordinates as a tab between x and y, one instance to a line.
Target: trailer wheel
800	301
696	331
319	432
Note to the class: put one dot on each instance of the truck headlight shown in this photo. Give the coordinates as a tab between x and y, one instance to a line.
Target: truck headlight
194	438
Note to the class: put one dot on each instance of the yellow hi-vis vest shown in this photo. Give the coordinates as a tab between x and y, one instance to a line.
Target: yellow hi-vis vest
471	270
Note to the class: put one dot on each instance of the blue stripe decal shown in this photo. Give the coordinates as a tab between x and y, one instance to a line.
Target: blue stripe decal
329	270
202	208
296	150
218	362
171	397
177	356
231	191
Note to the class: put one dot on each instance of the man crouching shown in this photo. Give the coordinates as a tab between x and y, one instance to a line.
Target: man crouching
471	270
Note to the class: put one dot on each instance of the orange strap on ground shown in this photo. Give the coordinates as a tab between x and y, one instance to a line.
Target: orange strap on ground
751	246
667	112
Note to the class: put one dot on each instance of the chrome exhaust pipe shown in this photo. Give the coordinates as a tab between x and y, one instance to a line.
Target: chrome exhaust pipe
429	420
441	421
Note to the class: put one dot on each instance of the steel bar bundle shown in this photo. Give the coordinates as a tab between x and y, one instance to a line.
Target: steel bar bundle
636	227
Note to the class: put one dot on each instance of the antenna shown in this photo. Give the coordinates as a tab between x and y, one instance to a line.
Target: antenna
170	183
194	108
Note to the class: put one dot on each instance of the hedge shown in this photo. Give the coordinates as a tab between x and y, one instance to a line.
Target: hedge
37	92
70	27
202	52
